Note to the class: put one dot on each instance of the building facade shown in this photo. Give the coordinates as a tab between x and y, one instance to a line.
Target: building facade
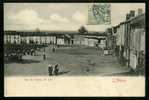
130	41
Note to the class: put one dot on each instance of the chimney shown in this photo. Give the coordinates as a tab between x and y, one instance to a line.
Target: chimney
127	16
132	13
140	11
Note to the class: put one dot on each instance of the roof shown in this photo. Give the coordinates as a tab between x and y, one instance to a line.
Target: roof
46	33
133	20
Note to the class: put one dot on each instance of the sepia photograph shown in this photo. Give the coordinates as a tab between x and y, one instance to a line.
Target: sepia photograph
57	40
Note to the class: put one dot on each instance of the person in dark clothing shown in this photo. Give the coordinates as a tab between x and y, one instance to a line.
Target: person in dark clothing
44	57
50	69
56	69
53	49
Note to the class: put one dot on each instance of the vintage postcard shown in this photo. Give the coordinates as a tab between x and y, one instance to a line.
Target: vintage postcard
74	49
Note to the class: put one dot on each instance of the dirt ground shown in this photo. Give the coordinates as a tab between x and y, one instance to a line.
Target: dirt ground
74	61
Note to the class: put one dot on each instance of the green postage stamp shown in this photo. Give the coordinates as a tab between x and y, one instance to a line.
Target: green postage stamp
99	13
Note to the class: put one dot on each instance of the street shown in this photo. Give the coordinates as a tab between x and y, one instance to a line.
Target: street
74	61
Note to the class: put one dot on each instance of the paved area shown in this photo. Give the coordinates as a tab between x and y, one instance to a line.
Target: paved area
74	61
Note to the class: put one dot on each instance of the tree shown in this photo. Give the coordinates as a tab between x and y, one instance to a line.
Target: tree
82	29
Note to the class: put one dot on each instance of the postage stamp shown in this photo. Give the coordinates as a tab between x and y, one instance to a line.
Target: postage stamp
99	13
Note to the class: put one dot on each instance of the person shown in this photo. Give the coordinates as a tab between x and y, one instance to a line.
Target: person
102	51
56	69
50	69
53	49
44	55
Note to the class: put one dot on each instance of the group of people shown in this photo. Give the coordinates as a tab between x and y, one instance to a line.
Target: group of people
53	70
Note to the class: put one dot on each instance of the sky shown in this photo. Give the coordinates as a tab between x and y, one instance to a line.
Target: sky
60	16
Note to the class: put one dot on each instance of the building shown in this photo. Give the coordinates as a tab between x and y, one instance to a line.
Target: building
130	40
137	40
12	37
19	43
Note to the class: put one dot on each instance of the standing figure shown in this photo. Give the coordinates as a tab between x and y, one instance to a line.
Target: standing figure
50	69
44	55
102	51
53	49
56	69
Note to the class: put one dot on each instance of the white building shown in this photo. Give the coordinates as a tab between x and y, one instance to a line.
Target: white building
13	39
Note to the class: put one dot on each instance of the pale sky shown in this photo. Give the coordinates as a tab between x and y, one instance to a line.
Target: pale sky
59	16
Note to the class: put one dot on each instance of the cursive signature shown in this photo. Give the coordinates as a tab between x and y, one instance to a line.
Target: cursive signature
118	80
